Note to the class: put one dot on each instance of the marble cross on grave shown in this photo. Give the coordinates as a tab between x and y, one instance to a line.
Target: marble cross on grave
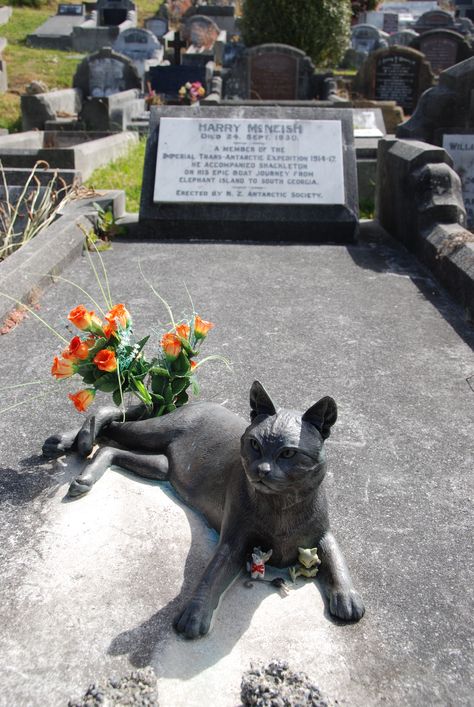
177	44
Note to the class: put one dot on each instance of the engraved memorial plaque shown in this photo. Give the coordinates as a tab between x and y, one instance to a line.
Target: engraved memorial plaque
396	79
244	161
273	76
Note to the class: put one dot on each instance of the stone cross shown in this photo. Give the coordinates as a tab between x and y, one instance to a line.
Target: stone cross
177	44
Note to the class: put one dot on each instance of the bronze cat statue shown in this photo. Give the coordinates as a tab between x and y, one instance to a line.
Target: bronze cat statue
257	485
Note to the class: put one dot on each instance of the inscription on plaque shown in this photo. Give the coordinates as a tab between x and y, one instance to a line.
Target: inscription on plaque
273	77
396	79
249	161
461	149
441	52
65	9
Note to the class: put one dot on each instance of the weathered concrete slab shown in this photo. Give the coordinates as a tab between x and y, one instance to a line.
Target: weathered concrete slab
90	587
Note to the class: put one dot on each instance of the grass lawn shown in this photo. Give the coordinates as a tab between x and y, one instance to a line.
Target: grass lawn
125	173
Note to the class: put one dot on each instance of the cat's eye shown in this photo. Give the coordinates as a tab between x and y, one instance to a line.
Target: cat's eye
255	445
288	453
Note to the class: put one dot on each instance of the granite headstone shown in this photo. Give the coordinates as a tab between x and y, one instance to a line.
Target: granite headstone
271	72
434	19
443	48
104	73
272	173
398	74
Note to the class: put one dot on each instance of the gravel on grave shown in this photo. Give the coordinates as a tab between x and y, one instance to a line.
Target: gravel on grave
137	689
276	685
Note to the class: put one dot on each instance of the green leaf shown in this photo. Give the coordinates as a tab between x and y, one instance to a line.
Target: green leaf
88	376
168	395
161	411
181	366
157	398
179	384
182	399
170	407
107	383
117	398
159	371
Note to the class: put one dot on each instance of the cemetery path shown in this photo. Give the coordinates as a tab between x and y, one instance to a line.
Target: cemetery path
91	585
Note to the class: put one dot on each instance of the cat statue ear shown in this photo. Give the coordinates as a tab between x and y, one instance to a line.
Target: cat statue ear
260	401
322	415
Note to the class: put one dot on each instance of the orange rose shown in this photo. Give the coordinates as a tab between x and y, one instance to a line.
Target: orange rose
201	327
119	314
109	329
82	399
182	330
84	320
171	346
62	368
193	365
77	349
105	360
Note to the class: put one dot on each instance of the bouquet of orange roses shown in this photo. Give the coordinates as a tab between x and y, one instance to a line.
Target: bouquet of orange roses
106	357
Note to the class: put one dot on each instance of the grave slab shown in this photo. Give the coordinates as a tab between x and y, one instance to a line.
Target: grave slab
90	587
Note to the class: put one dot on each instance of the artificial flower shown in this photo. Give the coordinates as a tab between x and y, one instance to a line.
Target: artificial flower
119	314
201	327
62	368
82	399
193	365
182	330
105	360
171	345
77	349
84	320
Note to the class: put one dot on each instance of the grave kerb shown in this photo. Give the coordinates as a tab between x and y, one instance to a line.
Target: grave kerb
294	222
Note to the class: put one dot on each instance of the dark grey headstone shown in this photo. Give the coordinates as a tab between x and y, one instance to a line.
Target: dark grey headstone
167	80
397	73
70	9
105	73
221	200
111	13
390	22
443	48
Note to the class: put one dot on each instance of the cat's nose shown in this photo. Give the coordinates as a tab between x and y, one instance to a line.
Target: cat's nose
263	469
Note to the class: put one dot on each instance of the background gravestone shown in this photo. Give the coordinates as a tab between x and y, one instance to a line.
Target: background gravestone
390	22
111	13
435	19
396	74
157	25
367	38
141	46
222	15
167	80
201	33
443	48
444	107
403	38
104	73
271	72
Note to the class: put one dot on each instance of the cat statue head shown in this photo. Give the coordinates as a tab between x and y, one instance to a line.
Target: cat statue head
283	450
